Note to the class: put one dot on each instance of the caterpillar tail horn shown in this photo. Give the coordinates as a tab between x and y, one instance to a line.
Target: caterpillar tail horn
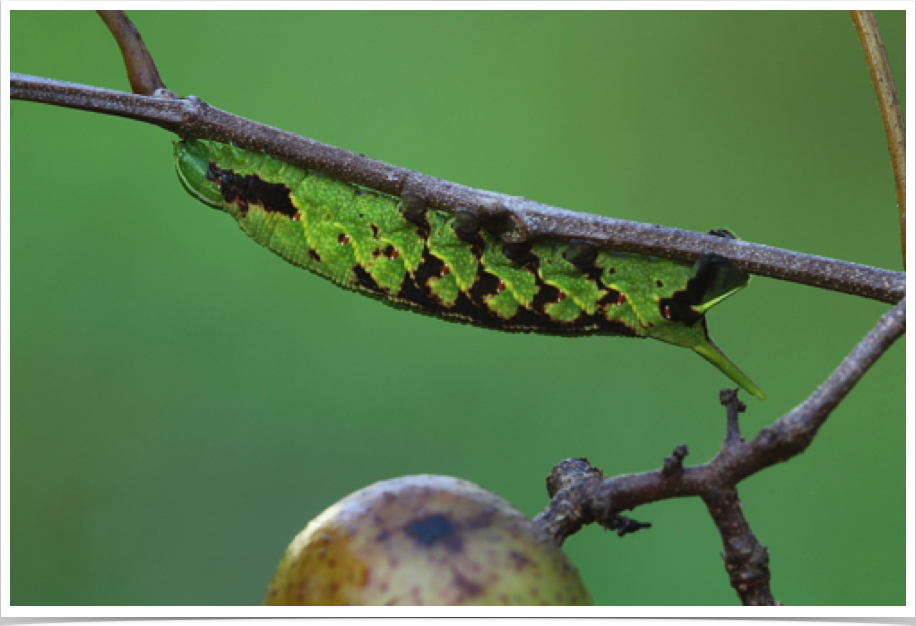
711	352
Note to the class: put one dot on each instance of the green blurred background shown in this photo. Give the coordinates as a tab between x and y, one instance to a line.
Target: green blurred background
186	402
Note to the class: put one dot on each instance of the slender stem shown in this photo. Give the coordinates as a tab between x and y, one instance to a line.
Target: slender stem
522	219
793	433
883	79
167	113
141	69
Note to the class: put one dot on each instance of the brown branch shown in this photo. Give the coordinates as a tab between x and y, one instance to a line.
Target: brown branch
141	69
883	79
746	560
581	495
520	219
570	509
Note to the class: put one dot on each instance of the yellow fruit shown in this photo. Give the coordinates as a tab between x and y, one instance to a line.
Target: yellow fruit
424	540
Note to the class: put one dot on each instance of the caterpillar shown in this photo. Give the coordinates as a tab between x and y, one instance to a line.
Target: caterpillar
408	255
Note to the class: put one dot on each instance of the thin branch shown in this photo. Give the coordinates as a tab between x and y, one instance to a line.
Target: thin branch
883	79
141	69
746	560
167	113
793	433
581	495
729	399
519	219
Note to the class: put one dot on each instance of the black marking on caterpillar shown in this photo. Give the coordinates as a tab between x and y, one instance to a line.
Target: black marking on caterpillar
520	254
711	271
611	298
247	190
486	284
365	280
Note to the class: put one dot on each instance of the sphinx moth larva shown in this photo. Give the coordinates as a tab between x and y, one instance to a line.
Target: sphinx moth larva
407	255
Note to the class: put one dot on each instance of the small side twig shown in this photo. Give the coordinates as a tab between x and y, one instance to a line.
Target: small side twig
624	525
883	79
141	69
674	464
734	406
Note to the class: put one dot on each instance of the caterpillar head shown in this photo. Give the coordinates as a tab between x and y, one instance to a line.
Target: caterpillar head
192	162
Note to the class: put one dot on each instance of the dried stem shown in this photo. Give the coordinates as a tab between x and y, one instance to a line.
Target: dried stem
141	69
883	79
581	495
521	219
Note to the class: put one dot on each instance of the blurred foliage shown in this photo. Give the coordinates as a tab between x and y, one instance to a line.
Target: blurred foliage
186	402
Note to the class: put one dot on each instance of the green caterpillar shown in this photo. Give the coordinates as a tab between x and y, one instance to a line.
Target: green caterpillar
407	255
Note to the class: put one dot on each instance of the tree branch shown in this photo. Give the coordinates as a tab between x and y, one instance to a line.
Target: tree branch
883	79
141	69
580	494
521	219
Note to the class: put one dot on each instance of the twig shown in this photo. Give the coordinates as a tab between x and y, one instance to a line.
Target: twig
674	464
580	495
883	79
522	219
793	433
141	69
734	406
746	560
